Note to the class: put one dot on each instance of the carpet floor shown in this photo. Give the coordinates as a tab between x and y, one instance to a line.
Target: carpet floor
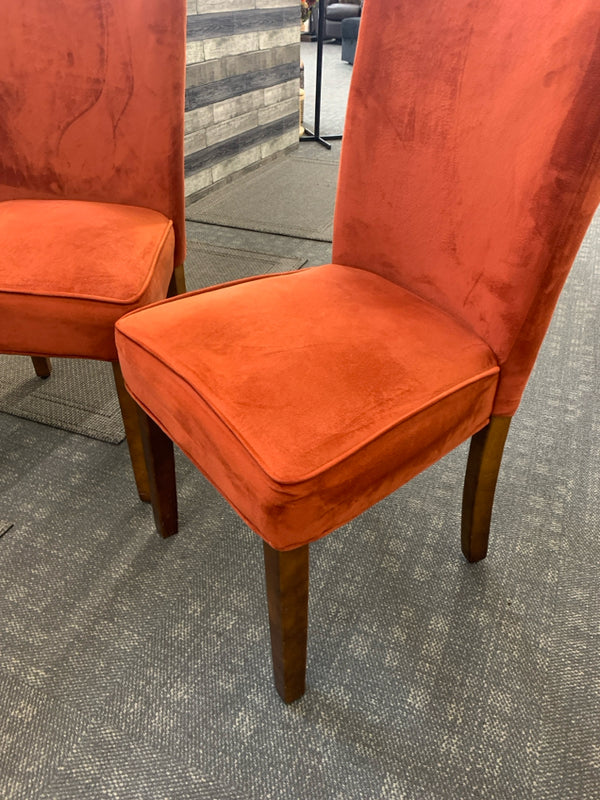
291	196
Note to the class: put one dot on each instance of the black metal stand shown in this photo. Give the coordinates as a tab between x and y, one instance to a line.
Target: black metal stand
315	135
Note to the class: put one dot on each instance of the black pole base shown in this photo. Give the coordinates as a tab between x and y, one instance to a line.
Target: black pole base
315	135
309	136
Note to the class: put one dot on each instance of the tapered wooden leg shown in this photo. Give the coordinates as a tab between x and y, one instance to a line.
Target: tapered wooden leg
483	465
160	462
132	432
287	594
42	366
177	284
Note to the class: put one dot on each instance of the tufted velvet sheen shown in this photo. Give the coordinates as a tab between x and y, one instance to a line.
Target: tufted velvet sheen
470	164
470	170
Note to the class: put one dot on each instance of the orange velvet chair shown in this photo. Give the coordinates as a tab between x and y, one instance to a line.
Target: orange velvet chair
91	176
470	170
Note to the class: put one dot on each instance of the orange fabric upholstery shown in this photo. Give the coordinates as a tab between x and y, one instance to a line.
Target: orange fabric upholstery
91	168
307	397
469	170
91	176
92	103
88	264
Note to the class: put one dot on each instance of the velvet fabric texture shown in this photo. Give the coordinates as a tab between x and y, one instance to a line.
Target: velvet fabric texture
93	103
470	170
63	288
470	162
308	396
91	168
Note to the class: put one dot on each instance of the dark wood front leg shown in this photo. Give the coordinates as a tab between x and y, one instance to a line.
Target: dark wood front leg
42	366
483	466
287	594
132	432
177	282
160	462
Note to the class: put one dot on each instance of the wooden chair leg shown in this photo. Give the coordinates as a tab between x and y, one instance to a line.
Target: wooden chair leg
177	283
287	594
42	366
483	465
160	462
132	432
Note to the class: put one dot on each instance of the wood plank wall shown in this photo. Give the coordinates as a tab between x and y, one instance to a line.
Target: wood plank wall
243	60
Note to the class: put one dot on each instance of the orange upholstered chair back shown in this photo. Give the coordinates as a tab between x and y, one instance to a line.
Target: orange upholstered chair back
471	163
86	103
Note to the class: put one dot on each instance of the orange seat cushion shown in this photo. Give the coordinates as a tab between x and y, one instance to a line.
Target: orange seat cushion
69	269
305	397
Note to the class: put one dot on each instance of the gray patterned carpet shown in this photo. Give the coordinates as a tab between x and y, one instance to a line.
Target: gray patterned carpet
132	667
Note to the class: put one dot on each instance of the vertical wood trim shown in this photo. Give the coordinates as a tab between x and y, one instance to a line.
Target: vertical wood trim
133	434
286	576
483	466
160	462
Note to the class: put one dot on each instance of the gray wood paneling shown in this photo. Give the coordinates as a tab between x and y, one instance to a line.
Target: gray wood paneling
237	53
212	26
210	93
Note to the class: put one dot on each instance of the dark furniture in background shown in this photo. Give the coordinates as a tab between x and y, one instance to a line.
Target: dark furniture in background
336	13
350	27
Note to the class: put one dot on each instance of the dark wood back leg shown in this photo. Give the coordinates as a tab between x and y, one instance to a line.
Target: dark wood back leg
42	366
483	465
287	594
132	432
160	462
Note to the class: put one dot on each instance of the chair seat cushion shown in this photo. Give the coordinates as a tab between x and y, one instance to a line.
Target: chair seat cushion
305	397
69	269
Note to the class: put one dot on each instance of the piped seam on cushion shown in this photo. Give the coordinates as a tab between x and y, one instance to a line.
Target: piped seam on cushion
111	300
490	372
244	516
250	278
188	455
216	286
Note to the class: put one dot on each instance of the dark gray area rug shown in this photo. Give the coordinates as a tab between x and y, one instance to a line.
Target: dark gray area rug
209	264
294	196
80	395
134	667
